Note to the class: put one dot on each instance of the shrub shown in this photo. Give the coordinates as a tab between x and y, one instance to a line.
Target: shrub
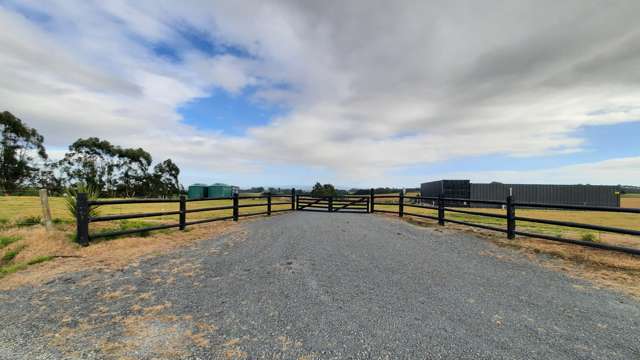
589	237
70	199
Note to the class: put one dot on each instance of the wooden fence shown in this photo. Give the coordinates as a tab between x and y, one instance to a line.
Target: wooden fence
357	203
84	205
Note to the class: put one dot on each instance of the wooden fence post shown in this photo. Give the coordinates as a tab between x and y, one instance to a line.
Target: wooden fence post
511	218
269	204
293	199
82	219
401	204
183	212
330	208
440	210
235	206
46	210
372	197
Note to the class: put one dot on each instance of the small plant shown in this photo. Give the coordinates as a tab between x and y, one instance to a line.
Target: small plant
4	223
9	269
8	240
70	199
589	237
28	221
10	255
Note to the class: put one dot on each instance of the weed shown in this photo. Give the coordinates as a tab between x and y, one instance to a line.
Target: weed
6	270
59	221
10	255
39	259
8	240
589	237
28	221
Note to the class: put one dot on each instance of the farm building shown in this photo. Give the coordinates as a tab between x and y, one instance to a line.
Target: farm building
198	191
590	195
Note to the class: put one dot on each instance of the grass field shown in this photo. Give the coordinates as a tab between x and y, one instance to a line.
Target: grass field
620	220
23	241
14	209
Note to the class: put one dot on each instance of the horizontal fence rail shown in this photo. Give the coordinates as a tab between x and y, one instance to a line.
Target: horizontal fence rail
84	207
356	204
442	205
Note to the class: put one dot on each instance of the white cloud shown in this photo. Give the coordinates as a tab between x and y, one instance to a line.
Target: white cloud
607	172
371	86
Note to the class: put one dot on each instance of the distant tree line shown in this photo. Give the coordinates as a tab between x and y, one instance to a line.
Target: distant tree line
382	190
94	163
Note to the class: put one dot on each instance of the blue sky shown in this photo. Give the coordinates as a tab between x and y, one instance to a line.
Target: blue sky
278	94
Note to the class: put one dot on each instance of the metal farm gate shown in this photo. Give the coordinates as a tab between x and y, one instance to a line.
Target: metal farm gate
347	203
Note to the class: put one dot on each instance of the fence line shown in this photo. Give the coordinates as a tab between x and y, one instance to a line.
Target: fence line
359	204
84	205
510	216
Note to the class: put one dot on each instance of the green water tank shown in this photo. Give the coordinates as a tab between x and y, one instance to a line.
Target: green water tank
197	191
220	190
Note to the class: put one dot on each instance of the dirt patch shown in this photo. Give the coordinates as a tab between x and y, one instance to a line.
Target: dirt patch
106	255
606	269
154	334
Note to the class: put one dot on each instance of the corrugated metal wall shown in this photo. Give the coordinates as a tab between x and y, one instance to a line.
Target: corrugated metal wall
592	195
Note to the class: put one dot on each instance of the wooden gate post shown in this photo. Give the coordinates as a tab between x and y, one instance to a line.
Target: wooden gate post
46	210
330	208
401	204
183	212
293	199
269	204
235	206
511	218
82	219
372	197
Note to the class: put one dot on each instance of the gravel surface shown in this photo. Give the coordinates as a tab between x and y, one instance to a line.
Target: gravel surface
327	286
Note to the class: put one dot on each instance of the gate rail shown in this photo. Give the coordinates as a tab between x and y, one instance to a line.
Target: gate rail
344	203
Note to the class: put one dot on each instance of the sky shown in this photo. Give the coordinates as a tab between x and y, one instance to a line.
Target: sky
357	93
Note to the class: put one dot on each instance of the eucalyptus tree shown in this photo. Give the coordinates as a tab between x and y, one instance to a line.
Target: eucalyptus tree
21	147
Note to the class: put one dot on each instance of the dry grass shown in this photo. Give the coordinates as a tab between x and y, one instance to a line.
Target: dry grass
37	245
620	220
630	201
106	255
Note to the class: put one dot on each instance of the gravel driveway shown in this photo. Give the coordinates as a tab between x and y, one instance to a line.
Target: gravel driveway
328	286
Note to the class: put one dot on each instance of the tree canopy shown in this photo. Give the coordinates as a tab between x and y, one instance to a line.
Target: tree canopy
20	147
320	190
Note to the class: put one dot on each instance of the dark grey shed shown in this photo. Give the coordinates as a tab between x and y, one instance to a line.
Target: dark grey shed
589	195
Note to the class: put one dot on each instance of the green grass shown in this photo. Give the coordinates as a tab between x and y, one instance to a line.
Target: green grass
589	237
10	269
28	221
10	255
128	225
620	220
7	240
